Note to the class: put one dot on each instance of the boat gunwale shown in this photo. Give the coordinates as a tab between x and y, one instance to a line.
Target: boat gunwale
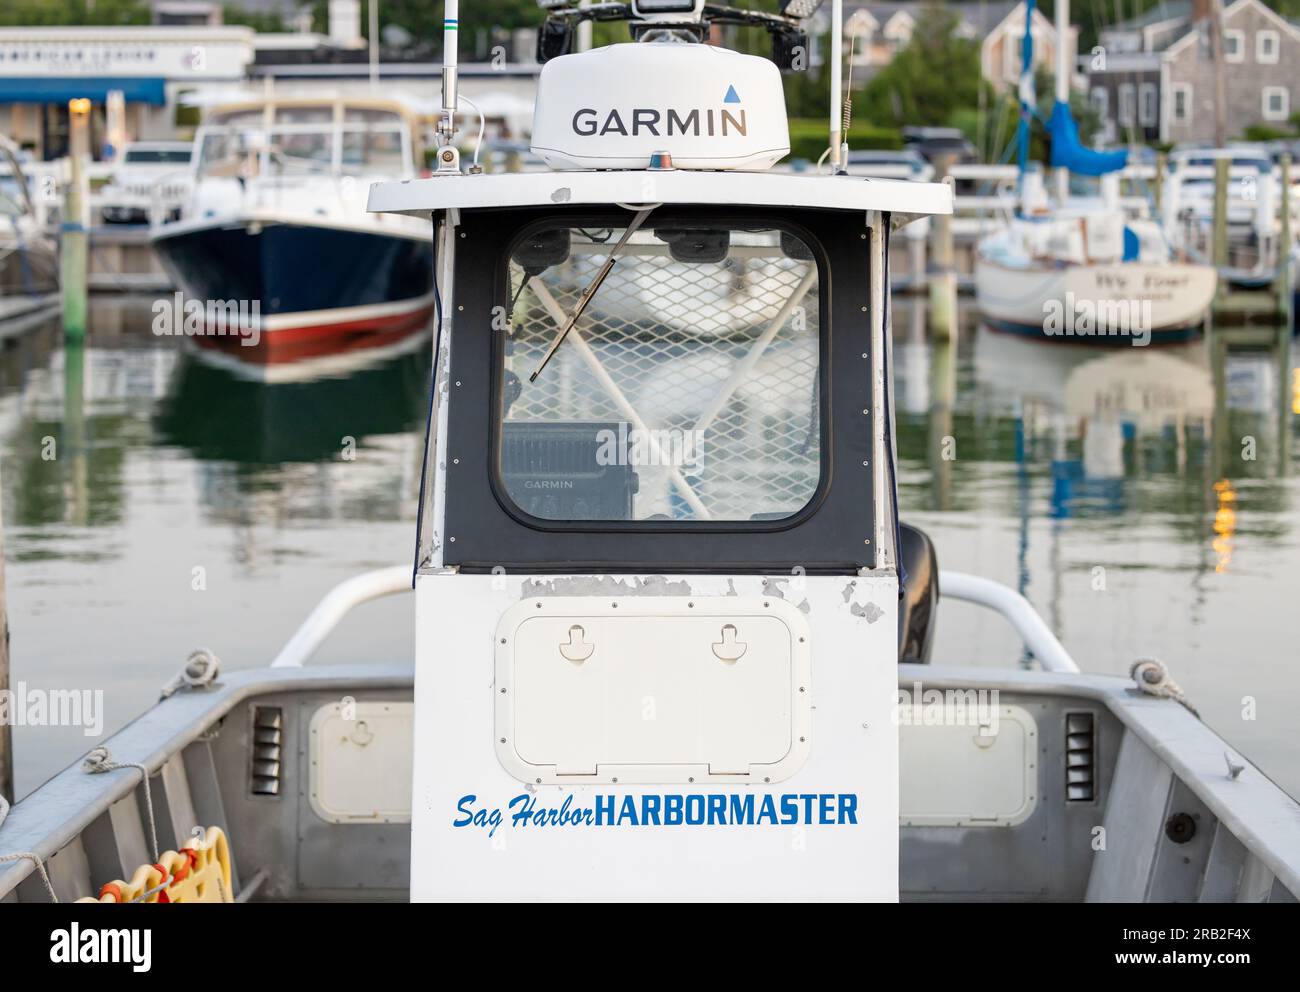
1269	830
74	799
1266	827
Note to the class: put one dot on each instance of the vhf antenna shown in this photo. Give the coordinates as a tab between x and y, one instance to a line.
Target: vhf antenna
448	156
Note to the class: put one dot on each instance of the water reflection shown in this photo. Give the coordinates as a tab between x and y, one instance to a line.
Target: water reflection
153	504
1142	499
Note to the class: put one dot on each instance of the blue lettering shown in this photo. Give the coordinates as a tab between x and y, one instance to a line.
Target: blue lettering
525	802
768	810
460	808
742	808
627	812
604	810
672	811
808	799
824	808
717	808
694	810
848	808
650	810
789	809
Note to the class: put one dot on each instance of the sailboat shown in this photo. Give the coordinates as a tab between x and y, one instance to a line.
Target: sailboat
1079	269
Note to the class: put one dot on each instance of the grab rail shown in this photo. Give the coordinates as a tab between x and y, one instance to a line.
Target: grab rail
338	602
1017	610
347	595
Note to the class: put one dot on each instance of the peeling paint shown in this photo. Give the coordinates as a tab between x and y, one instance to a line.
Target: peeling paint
605	585
848	589
776	588
868	611
561	195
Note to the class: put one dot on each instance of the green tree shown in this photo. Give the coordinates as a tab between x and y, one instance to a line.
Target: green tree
263	22
934	76
423	18
59	13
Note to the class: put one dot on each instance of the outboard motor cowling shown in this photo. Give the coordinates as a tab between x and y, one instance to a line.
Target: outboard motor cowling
919	599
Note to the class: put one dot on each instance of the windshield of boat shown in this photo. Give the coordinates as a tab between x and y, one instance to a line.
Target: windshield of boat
687	389
310	140
10	196
157	156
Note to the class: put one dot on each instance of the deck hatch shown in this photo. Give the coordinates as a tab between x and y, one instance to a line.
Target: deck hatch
653	689
964	763
361	758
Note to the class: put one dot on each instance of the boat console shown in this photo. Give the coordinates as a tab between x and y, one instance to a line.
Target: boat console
657	584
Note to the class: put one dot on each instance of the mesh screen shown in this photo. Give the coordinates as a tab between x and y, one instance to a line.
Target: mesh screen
697	380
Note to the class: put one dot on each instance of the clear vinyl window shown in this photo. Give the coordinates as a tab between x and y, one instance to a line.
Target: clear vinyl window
687	389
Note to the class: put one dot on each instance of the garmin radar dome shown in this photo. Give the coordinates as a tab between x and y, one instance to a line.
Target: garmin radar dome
707	108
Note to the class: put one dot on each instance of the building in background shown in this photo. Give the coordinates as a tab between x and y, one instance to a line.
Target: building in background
1261	50
168	71
1152	78
42	68
878	31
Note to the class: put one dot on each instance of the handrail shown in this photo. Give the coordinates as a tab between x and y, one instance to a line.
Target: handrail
1017	610
336	604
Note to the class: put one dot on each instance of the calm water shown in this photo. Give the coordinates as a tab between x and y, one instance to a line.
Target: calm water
186	506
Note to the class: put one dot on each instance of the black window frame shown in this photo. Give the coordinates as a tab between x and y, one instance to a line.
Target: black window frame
484	530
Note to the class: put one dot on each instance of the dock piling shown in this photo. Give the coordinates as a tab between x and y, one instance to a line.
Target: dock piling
1282	279
942	274
74	233
6	717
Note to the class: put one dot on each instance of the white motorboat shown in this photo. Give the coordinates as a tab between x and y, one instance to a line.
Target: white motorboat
276	225
29	254
672	640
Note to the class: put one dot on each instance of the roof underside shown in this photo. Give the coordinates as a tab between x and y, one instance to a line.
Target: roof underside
904	200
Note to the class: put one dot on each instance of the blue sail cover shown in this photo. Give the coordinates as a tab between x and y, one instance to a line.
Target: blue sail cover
1068	153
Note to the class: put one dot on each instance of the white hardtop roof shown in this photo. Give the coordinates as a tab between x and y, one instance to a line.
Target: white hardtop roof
906	200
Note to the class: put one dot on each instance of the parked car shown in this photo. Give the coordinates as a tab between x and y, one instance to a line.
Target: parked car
932	141
905	164
148	171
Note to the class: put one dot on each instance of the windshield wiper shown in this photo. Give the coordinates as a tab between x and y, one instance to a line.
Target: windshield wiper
590	291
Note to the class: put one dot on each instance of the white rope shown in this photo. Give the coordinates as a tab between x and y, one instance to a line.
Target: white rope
1153	678
26	855
100	760
167	880
199	671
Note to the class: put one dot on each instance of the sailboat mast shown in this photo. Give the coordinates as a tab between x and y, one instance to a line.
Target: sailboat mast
1026	93
1062	83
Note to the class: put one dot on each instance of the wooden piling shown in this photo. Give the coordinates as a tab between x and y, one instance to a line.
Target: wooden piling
942	276
1219	235
1282	280
73	247
1162	168
6	723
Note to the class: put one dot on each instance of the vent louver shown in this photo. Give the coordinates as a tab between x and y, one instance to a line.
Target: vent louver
268	728
1080	757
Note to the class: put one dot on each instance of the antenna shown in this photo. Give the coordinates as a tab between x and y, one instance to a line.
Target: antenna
836	58
448	157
